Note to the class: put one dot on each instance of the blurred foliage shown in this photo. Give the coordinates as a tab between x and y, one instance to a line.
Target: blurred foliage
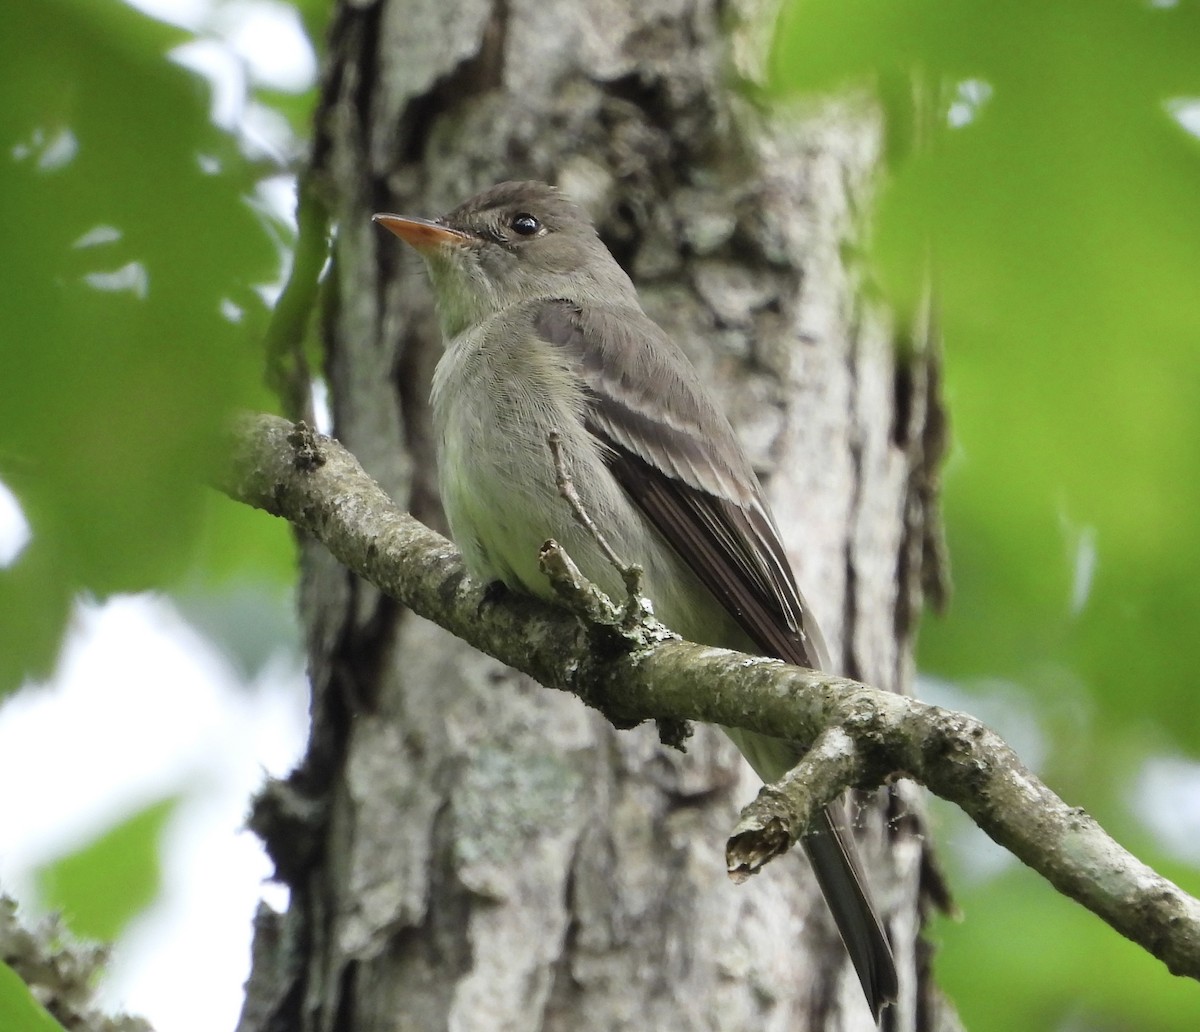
1049	965
1037	162
136	259
100	888
19	1009
130	325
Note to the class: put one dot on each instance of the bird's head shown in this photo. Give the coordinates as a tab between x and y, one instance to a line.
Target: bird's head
511	243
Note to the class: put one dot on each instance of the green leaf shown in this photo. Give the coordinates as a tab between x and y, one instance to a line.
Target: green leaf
19	1009
129	318
1059	966
100	888
1033	148
1064	219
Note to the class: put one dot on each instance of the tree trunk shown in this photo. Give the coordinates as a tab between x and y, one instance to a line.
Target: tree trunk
466	850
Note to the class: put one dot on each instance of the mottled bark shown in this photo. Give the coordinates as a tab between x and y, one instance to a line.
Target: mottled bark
466	850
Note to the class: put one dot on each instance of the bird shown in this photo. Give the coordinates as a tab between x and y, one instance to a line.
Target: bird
545	334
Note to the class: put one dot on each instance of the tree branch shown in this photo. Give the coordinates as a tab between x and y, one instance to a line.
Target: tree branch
863	736
59	973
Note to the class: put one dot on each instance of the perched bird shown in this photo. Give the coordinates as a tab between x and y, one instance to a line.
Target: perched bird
544	332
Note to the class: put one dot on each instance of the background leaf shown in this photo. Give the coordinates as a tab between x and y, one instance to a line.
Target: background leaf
19	1010
129	323
100	888
1039	151
141	239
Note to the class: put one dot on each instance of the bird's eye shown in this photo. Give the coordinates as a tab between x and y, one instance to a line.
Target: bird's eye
525	224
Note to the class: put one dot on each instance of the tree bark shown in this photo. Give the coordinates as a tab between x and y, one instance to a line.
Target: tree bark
465	850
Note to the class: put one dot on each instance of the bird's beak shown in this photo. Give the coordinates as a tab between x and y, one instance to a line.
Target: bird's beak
423	234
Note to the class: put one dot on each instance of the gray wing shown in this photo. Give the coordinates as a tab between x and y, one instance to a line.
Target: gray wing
676	456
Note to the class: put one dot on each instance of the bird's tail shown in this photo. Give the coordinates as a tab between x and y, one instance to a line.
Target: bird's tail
835	862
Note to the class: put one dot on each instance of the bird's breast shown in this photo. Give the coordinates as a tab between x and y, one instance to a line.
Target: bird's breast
497	397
